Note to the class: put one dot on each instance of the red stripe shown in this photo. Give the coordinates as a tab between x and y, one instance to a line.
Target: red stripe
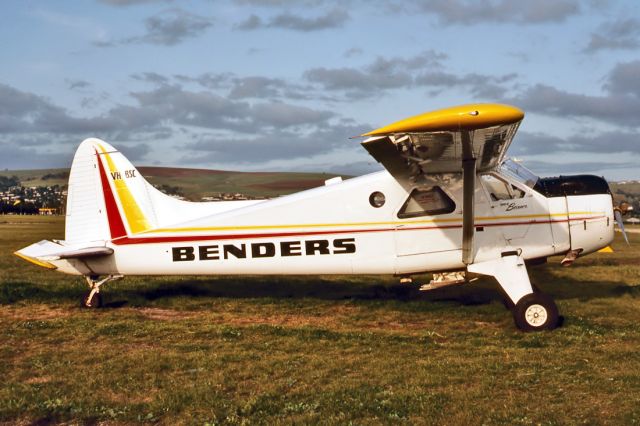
193	238
116	227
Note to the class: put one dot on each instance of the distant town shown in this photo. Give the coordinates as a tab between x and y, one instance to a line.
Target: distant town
32	194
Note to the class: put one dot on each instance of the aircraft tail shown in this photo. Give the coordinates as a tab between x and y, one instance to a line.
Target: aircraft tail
107	197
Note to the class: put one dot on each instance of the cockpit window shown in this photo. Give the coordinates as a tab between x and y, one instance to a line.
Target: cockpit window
499	189
427	202
518	172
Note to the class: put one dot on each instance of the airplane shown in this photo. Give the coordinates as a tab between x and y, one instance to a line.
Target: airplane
448	202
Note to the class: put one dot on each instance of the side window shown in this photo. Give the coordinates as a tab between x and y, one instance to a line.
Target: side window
426	202
517	192
501	190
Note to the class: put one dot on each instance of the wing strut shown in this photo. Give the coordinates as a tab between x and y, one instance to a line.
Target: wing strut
468	192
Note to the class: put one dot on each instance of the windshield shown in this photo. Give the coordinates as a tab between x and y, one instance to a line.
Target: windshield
518	172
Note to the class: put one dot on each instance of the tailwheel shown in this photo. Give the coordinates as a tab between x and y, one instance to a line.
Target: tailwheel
536	312
93	298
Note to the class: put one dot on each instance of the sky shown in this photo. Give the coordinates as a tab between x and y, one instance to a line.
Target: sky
282	85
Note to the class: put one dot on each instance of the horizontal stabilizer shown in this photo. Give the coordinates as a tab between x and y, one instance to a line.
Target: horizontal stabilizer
83	252
45	252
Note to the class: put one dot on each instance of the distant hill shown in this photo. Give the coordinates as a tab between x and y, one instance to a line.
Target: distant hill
196	183
628	191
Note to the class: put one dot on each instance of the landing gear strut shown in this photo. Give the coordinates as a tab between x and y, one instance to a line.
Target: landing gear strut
532	310
93	298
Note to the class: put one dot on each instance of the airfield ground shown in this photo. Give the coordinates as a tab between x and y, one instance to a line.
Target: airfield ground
249	350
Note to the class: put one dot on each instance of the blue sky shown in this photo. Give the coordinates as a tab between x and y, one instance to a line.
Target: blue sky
282	85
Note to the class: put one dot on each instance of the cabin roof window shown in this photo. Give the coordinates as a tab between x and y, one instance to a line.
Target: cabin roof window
426	202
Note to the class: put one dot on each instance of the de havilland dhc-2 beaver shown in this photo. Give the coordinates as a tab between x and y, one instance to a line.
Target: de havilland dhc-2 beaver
448	202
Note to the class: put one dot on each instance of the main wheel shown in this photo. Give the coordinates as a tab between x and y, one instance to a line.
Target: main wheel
95	302
536	312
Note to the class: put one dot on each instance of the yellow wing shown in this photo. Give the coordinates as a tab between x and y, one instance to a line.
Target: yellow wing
432	142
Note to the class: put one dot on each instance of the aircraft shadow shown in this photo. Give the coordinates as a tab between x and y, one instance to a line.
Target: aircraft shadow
481	292
371	288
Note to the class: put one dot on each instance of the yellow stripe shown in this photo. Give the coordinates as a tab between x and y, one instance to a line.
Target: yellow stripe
330	225
134	215
35	261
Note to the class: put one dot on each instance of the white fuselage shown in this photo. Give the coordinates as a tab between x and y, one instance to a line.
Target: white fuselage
334	229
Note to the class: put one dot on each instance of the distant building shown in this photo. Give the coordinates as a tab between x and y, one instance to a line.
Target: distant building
47	211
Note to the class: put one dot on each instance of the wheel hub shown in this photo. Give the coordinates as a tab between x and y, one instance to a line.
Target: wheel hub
536	315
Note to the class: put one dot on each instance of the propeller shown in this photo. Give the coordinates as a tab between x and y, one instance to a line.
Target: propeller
618	211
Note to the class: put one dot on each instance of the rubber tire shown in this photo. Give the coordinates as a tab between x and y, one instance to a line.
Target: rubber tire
96	302
519	312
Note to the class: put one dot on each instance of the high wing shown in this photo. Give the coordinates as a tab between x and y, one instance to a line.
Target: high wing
439	141
467	139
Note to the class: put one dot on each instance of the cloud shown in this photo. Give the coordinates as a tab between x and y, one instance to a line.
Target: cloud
261	129
423	70
545	168
332	19
613	108
150	77
173	26
381	74
273	144
15	156
276	3
480	85
167	28
619	34
257	87
77	84
284	115
353	52
624	79
131	2
135	152
253	22
209	80
618	105
527	143
496	11
357	83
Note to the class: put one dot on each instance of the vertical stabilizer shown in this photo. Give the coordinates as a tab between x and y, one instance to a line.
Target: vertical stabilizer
107	196
108	199
86	219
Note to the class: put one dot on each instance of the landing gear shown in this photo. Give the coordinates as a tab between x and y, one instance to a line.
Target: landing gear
535	312
532	310
93	298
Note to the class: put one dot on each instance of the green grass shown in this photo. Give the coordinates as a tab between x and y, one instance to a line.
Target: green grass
265	350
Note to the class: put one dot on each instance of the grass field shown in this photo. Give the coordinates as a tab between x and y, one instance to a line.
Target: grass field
363	350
